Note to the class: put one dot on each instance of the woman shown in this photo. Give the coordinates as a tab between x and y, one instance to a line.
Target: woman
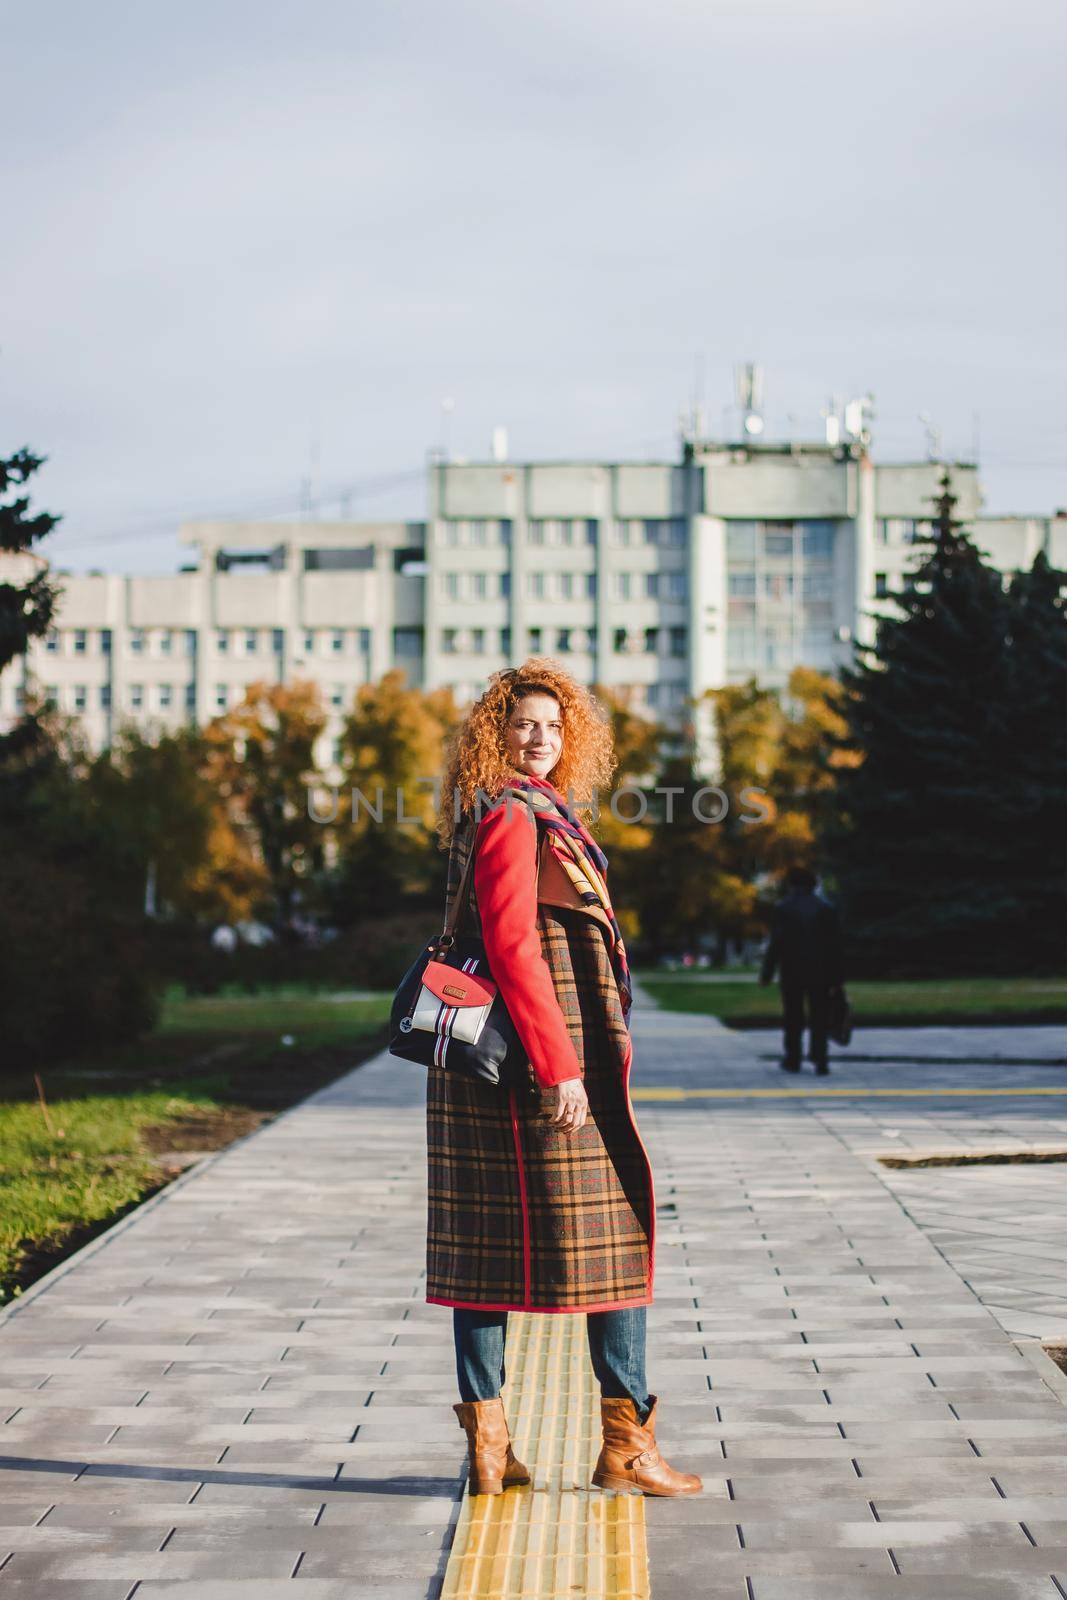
541	1199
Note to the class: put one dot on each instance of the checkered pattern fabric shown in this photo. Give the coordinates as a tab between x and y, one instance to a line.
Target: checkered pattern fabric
520	1216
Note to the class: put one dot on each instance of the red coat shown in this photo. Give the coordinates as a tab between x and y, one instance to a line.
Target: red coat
505	884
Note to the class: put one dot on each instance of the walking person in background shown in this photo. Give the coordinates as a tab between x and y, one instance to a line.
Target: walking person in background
805	947
540	1199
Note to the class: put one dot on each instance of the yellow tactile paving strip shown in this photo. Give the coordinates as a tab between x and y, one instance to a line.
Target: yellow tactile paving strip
857	1093
558	1536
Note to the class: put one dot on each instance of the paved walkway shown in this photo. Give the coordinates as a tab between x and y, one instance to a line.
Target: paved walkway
238	1392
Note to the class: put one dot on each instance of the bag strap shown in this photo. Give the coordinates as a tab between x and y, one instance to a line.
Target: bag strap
452	916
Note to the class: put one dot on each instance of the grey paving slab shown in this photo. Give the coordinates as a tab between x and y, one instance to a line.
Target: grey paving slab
244	1372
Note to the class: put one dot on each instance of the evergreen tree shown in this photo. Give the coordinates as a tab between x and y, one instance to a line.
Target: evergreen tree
1036	775
924	842
26	607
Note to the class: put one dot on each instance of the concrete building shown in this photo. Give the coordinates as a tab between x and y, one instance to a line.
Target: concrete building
661	579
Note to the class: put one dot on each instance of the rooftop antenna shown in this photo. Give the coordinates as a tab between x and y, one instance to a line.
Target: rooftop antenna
933	436
748	387
831	415
858	416
448	406
696	421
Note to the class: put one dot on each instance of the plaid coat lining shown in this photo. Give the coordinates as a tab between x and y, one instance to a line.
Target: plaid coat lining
522	1217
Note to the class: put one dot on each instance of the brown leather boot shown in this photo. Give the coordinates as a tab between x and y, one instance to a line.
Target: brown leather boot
630	1458
493	1464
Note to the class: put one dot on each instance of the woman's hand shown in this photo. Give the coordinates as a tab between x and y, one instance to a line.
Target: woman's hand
572	1106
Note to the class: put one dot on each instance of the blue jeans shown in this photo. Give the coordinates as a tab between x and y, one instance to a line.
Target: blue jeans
616	1349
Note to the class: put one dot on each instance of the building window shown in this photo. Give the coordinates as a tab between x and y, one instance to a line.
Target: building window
881	586
535	641
479	585
190	641
105	641
190	697
741	585
563	640
651	641
166	696
222	641
817	540
566	585
222	697
136	696
620	641
819	585
450	641
166	642
357	559
535	533
741	648
79	697
778	541
337	641
450	585
105	697
505	641
51	694
363	641
652	585
251	641
337	697
505	585
277	640
741	541
590	585
677	641
407	642
478	641
309	641
777	585
536	585
137	641
623	585
51	642
81	641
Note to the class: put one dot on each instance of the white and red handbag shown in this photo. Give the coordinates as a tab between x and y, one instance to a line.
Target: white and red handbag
448	1012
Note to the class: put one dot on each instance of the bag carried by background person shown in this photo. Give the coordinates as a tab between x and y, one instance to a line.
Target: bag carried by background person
839	1025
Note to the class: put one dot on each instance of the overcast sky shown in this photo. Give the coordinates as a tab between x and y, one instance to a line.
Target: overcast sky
249	242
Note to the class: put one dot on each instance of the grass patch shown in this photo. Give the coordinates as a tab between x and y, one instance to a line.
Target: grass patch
973	1158
903	1003
115	1126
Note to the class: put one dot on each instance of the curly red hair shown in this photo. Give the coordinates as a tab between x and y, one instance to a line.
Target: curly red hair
478	756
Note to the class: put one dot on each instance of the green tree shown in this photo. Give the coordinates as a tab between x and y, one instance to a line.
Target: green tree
28	597
923	844
153	803
1035	687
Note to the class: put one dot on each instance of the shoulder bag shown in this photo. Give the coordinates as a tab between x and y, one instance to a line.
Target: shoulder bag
448	1012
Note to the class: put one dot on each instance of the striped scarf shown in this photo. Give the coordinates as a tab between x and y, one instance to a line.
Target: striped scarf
585	864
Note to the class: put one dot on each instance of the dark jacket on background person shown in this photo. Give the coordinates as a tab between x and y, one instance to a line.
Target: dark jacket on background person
805	941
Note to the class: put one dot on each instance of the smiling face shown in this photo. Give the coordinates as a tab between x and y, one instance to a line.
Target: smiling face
535	734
